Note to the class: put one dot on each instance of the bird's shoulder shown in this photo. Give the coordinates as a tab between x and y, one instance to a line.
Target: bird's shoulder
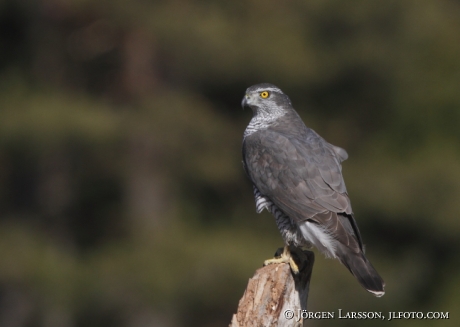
297	169
294	142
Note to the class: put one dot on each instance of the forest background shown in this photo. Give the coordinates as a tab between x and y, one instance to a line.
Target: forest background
123	200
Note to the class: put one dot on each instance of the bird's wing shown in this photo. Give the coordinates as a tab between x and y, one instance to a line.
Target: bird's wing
304	175
303	178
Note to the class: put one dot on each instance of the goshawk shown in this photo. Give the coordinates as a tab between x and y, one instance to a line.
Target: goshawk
297	176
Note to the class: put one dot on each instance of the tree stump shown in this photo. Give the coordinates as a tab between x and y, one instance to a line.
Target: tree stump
275	296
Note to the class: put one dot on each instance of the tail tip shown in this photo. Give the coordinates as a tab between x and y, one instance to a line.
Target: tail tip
377	293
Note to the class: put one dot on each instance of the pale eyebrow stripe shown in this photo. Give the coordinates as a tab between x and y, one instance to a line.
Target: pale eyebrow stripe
273	89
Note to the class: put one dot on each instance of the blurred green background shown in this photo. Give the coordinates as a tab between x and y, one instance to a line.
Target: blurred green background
123	200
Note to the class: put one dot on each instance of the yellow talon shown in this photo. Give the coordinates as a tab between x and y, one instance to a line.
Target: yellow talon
285	257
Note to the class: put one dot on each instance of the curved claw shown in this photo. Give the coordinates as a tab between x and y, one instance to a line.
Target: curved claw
285	257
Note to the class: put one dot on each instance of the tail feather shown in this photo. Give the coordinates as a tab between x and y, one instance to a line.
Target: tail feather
362	269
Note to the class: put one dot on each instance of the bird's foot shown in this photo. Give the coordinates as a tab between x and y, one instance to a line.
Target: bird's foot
284	257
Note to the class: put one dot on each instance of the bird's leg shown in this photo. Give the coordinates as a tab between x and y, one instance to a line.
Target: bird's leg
285	257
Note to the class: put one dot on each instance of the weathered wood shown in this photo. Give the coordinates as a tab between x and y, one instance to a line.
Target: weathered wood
274	292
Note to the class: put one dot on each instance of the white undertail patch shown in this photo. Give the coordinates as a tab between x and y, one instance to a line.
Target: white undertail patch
322	240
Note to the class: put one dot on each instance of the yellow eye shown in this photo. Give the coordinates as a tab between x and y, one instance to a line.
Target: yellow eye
264	94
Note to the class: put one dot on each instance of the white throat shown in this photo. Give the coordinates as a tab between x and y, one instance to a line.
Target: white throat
263	119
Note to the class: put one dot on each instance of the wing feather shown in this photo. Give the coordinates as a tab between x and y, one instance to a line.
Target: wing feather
304	180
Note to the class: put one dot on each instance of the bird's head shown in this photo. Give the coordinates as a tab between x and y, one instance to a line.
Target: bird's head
266	99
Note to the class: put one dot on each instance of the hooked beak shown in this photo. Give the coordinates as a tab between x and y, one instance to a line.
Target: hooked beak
244	103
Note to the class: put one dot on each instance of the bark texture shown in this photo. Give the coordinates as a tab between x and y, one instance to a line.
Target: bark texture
275	296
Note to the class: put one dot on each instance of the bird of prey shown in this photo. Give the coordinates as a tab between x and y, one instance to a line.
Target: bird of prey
297	176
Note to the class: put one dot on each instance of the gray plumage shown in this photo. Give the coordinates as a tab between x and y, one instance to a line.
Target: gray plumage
297	176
